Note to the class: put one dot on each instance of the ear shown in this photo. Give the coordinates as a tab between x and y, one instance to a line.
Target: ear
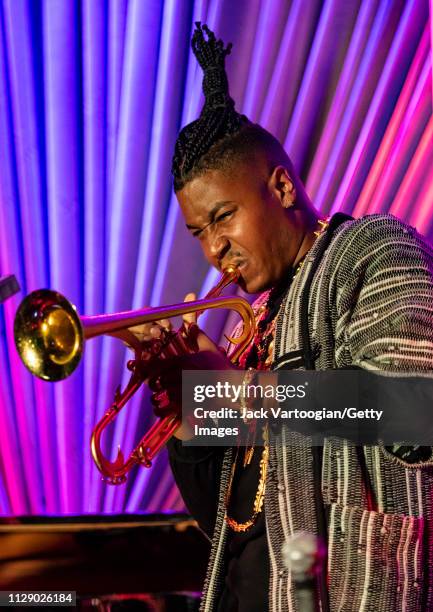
281	185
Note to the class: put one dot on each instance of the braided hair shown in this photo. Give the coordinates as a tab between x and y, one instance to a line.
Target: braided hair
220	138
218	120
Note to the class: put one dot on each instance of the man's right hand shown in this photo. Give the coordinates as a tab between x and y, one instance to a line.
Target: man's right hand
166	376
146	332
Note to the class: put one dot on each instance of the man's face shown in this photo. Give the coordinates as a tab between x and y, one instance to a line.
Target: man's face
240	220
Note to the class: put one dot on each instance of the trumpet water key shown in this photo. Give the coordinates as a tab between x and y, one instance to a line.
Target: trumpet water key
49	336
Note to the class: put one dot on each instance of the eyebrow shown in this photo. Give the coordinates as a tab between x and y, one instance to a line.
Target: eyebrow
211	215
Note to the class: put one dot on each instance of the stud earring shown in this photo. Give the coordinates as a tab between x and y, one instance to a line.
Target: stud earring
289	196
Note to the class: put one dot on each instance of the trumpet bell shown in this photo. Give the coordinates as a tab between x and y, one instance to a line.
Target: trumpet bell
48	335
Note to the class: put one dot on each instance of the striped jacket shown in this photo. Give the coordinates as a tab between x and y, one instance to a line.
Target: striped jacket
369	303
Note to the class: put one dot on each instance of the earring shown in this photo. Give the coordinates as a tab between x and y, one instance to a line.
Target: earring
289	196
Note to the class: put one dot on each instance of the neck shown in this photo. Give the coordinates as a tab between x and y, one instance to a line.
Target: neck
310	219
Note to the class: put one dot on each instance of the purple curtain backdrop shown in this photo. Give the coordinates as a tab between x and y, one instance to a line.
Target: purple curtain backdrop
92	95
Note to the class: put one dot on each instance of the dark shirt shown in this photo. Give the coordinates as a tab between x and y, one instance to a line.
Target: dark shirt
197	472
247	574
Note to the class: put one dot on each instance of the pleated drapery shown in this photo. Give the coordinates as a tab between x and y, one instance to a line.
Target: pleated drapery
92	95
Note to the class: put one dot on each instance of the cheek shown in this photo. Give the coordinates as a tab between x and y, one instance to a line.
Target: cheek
251	231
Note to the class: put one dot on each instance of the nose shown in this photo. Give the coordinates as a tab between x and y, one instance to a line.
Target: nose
217	247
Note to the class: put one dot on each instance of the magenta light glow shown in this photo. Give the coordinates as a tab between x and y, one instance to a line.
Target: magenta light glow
92	96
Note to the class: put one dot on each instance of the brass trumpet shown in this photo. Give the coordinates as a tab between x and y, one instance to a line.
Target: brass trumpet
49	336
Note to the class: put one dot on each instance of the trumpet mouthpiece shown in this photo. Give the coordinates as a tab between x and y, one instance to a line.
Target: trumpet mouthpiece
231	272
229	275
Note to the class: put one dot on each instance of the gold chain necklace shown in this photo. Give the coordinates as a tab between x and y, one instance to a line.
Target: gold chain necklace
260	493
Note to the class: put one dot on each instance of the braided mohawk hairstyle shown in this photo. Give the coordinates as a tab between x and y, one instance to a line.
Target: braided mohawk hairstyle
218	119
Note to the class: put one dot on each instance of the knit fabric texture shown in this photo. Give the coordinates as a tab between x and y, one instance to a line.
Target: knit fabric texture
370	305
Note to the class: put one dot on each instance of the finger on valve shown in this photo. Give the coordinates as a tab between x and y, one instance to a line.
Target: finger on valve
191	317
197	336
148	331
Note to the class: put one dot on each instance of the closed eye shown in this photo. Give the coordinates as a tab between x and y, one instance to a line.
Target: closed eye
218	219
223	216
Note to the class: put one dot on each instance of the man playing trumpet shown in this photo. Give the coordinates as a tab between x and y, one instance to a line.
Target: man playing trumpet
366	308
